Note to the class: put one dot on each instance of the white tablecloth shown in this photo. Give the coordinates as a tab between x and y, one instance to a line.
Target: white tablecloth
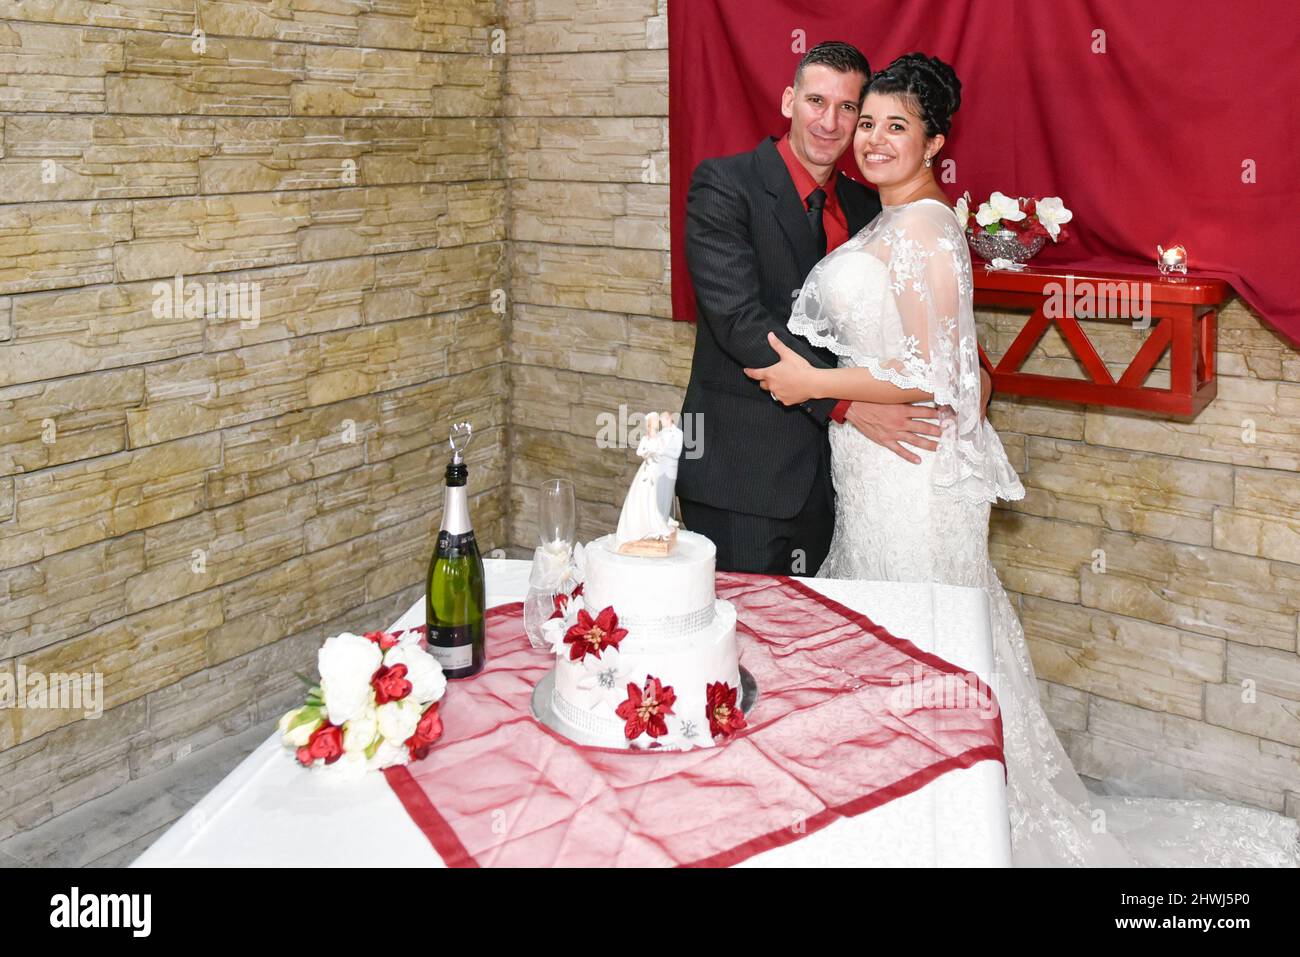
270	812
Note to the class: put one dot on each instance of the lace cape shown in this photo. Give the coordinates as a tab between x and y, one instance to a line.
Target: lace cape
896	300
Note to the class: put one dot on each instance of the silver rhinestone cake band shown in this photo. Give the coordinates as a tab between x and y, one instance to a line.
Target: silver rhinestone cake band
672	626
583	720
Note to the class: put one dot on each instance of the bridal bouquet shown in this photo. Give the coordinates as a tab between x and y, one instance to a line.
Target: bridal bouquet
376	704
1027	217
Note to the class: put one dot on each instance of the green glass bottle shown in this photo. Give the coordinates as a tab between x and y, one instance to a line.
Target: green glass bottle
455	600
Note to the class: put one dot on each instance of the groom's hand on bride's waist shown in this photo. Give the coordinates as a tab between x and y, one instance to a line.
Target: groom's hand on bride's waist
897	426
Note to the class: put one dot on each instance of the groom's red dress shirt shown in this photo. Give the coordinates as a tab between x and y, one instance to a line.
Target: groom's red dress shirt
834	221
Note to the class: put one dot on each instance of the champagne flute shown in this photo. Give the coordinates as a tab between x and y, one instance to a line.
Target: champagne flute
556	520
557	513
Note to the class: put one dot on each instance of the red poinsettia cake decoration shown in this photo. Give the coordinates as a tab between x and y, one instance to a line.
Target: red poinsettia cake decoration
645	709
725	718
591	636
562	600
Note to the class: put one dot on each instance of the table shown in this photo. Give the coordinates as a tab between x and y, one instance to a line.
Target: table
271	813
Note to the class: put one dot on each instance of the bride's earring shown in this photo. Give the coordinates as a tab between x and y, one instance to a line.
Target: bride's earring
928	163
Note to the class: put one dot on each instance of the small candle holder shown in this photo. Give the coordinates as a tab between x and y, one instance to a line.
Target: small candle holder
1172	260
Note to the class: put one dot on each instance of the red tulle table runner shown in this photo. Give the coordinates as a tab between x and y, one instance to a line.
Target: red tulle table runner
848	717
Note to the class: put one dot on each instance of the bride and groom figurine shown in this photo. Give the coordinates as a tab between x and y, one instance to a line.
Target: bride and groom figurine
646	525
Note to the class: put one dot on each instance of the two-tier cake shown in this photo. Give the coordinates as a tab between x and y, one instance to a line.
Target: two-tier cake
646	654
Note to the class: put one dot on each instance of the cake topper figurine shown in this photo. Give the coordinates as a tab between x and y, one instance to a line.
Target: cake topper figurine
646	526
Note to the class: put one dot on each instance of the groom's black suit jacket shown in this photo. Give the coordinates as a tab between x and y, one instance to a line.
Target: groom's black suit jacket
749	248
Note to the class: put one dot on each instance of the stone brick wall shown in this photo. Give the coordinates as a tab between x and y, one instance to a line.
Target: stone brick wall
1174	671
586	138
189	503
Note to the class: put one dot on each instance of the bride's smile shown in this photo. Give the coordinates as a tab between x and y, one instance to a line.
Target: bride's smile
895	148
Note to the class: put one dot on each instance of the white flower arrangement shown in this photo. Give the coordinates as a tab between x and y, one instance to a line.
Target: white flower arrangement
1026	216
376	705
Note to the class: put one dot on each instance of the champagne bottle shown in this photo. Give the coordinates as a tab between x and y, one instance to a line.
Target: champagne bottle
455	600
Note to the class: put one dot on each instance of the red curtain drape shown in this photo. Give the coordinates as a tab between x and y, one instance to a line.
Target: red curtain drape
1148	118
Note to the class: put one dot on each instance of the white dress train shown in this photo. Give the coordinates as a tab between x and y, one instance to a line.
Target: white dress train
897	300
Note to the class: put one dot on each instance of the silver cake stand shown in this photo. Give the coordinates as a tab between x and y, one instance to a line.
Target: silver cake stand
543	712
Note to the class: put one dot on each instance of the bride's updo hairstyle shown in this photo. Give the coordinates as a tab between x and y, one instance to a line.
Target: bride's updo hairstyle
930	84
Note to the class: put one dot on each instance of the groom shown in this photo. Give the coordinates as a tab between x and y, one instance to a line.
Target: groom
756	224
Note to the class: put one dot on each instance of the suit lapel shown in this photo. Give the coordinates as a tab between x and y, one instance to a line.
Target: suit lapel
787	206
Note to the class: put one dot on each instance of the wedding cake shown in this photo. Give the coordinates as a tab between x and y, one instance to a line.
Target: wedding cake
667	670
645	650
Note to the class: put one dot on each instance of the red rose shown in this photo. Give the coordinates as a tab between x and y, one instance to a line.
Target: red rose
383	639
390	684
645	709
325	742
592	636
427	731
724	717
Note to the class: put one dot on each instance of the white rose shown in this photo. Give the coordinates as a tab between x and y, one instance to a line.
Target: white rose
360	732
304	722
422	670
398	719
347	662
351	767
389	755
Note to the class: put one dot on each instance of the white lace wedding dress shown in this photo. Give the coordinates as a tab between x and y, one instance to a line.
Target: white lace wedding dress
896	299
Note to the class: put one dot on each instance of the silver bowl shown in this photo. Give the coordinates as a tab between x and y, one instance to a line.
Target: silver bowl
1004	244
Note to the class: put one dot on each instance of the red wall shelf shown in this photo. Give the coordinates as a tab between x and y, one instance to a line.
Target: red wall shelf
1183	311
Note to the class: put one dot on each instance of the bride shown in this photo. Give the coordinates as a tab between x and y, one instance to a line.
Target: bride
894	303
